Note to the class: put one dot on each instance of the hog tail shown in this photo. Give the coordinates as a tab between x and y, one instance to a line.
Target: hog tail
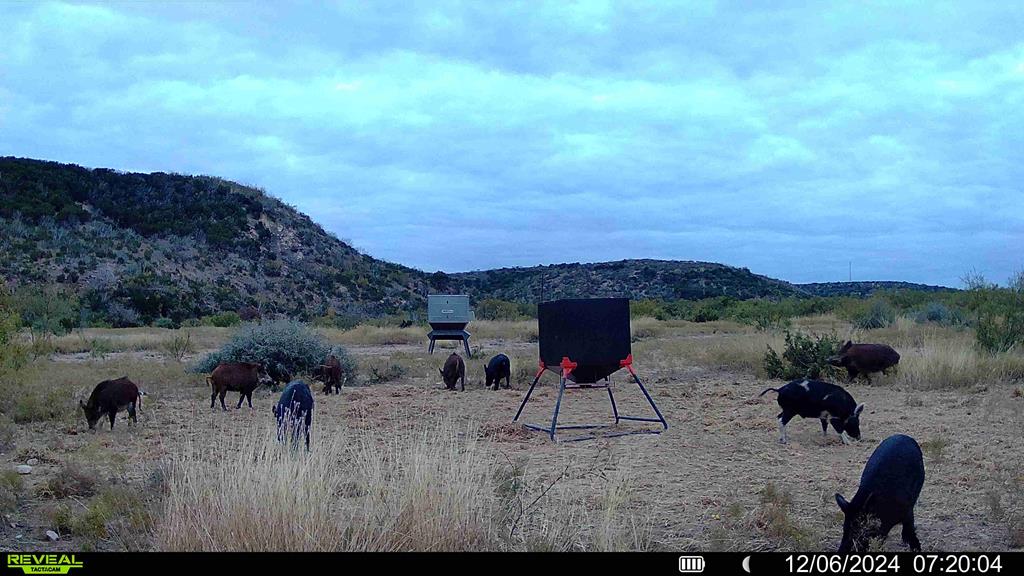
767	391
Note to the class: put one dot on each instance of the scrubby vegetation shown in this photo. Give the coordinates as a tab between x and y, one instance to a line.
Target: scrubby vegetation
279	344
804	356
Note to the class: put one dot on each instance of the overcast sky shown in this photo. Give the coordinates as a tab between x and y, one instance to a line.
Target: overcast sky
468	135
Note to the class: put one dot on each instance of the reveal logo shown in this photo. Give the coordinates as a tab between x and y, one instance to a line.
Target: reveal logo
43	563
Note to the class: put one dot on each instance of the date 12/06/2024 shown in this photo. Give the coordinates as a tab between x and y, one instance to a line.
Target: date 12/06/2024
894	564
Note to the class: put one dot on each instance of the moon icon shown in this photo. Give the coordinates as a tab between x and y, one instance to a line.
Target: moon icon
746	564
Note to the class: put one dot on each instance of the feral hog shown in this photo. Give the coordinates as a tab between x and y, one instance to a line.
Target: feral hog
278	374
454	370
110	396
822	400
330	374
498	368
865	359
294	411
243	377
888	491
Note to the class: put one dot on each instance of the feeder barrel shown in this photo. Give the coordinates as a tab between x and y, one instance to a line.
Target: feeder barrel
593	332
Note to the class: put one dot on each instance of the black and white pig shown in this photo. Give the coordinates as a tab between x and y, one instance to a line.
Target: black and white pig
822	400
889	488
496	369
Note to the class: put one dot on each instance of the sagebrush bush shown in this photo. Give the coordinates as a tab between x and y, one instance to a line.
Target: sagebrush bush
804	356
285	343
879	314
939	313
1000	331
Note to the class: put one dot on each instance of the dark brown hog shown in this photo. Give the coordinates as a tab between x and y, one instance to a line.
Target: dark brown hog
454	370
243	377
110	396
865	359
330	374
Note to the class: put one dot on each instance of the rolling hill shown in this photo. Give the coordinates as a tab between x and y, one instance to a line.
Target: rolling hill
137	247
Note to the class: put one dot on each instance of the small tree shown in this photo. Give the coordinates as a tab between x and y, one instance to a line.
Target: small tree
46	311
805	356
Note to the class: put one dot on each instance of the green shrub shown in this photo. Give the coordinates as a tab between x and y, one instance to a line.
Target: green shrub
647	308
8	433
12	354
941	314
999	313
805	356
222	320
334	320
494	309
163	323
1000	332
285	343
12	485
879	314
383	374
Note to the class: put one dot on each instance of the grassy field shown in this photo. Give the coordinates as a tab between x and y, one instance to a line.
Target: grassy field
398	463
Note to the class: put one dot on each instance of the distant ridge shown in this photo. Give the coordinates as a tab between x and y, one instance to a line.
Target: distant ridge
865	289
139	247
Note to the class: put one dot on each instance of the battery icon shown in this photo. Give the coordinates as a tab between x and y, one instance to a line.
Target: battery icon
691	564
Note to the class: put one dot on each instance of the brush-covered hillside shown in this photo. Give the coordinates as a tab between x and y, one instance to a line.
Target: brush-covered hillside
134	248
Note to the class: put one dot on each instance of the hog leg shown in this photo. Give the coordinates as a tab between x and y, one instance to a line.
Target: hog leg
784	419
113	416
910	533
223	393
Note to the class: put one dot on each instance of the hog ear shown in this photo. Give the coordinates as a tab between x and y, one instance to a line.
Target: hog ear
848	344
858	409
441	371
843	504
81	404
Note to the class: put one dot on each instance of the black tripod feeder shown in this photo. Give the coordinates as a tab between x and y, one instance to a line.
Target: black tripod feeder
586	341
448	315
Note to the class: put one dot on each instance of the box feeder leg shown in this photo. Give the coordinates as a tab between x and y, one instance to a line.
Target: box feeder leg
615	409
465	342
526	398
431	349
628	365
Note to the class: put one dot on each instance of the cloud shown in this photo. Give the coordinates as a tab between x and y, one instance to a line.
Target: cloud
456	135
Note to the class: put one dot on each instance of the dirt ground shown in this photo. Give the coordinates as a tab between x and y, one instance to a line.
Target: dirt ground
701	482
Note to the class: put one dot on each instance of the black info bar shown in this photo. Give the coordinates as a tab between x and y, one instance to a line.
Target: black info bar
80	564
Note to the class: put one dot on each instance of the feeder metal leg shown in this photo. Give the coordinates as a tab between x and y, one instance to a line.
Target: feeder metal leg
558	405
527	397
615	409
431	349
649	399
465	342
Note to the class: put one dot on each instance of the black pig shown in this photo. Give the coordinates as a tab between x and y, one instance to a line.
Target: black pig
889	488
294	411
110	396
497	368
